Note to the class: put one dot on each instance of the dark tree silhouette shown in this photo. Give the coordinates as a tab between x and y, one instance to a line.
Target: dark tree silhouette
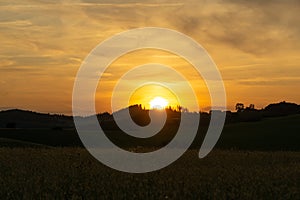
281	109
251	107
239	107
179	108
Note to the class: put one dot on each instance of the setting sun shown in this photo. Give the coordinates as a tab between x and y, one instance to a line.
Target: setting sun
158	97
158	103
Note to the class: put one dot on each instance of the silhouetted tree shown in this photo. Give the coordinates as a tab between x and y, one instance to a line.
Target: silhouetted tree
239	107
179	108
251	107
185	110
281	109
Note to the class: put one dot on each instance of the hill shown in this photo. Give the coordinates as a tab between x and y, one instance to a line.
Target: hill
27	119
280	133
269	134
274	128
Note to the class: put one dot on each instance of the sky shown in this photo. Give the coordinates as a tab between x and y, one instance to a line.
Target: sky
255	44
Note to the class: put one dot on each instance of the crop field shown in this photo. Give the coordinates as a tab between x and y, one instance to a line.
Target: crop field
72	173
253	160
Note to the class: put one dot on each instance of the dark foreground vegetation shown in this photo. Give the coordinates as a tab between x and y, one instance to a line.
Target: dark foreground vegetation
256	157
275	127
71	173
270	134
20	119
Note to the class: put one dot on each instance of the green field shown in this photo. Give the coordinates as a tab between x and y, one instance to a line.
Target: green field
71	173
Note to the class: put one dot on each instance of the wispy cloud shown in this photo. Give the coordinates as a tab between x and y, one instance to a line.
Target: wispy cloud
42	43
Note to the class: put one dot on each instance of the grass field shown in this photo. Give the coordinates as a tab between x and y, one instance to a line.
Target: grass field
280	133
253	160
271	134
71	173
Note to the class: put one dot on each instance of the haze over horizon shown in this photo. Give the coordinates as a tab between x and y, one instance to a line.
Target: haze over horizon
255	45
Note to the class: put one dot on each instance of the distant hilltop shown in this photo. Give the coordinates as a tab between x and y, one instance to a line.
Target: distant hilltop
16	118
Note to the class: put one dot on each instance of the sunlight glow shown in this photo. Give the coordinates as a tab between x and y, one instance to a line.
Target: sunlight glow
158	103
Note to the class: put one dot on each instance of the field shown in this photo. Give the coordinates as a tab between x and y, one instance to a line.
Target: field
72	173
270	134
253	160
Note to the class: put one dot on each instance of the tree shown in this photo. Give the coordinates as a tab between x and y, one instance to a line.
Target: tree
179	108
239	107
186	110
251	107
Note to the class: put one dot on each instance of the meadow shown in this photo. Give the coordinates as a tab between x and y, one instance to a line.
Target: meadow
71	173
253	160
269	134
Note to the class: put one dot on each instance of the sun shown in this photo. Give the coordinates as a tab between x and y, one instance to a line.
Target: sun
158	103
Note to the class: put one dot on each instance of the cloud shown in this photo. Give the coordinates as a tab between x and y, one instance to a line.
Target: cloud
255	28
22	23
283	81
254	43
84	3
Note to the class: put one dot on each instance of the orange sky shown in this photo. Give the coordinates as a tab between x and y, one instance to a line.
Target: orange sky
255	44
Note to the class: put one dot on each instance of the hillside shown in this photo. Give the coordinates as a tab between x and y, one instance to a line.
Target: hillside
281	133
27	119
274	128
